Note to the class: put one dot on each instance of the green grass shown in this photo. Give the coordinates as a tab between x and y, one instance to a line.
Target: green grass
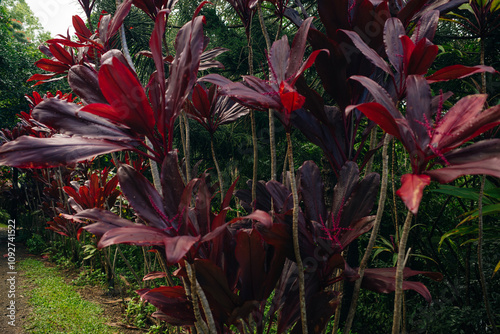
57	307
3	225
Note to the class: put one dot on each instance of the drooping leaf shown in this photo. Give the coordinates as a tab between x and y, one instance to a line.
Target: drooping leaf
124	93
69	119
457	72
383	280
412	190
172	302
84	82
31	152
143	197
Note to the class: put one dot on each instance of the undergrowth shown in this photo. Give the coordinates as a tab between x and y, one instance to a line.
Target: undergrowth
57	307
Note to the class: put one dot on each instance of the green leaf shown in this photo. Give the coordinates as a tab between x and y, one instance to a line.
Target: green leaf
466	193
496	268
487	210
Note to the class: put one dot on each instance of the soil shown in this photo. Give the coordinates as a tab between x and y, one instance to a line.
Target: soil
113	306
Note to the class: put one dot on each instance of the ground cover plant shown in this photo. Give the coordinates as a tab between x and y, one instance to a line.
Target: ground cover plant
112	161
80	316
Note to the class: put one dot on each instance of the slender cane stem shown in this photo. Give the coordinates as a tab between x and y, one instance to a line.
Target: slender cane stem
295	229
219	174
373	236
484	287
398	299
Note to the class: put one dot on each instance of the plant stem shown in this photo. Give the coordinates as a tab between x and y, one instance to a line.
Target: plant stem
398	299
373	236
219	175
201	326
295	230
272	136
480	240
187	153
252	118
373	143
481	60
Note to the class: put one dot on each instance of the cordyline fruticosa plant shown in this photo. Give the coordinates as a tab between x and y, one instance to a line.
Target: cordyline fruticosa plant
230	269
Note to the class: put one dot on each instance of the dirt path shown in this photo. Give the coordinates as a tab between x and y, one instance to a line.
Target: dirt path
13	286
13	302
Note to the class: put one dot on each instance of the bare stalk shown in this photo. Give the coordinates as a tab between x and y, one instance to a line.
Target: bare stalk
398	299
252	119
373	236
272	136
187	152
373	143
480	240
219	175
200	324
295	229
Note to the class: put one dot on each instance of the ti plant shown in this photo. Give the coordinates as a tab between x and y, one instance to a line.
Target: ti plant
274	267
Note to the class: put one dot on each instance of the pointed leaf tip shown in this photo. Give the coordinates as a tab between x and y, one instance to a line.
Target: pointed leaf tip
412	190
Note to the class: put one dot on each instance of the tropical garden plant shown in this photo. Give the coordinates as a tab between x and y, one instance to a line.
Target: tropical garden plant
272	257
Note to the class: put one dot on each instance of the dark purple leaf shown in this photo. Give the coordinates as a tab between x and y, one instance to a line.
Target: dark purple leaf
172	302
31	152
84	82
383	280
368	52
311	189
207	59
143	197
214	283
251	257
380	95
418	111
426	26
172	184
298	49
189	46
68	119
175	247
392	31
105	221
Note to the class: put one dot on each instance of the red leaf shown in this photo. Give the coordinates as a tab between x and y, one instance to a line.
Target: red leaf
52	65
412	189
457	72
422	57
80	27
125	93
377	113
40	77
290	98
121	12
61	54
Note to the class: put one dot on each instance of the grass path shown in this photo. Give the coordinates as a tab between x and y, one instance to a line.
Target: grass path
57	307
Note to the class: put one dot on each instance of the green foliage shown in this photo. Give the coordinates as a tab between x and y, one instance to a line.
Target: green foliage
55	302
36	244
139	313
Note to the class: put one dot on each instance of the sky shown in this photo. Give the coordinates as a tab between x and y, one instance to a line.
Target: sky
55	15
